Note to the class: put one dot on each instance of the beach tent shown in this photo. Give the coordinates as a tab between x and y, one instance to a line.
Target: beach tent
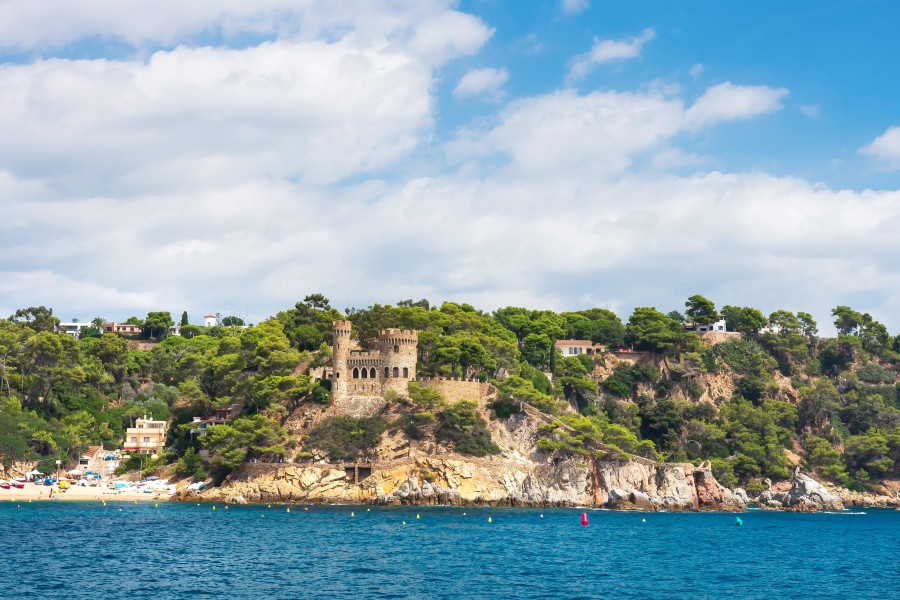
74	472
31	474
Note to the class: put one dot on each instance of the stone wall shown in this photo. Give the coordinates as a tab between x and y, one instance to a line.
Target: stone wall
713	338
456	389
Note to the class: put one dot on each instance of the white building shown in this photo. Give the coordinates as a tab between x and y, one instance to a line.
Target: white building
73	328
717	326
210	320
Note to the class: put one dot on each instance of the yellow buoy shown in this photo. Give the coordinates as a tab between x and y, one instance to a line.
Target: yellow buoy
643	520
352	514
417	516
29	502
404	522
368	510
490	520
120	510
156	505
214	508
289	510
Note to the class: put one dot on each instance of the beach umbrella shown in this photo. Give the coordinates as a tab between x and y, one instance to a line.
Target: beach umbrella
34	472
74	472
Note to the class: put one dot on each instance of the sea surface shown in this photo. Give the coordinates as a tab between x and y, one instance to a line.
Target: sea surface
174	550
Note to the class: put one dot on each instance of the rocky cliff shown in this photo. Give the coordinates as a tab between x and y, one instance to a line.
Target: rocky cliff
520	476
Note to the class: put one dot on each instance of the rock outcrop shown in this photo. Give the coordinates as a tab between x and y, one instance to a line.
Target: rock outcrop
522	475
805	495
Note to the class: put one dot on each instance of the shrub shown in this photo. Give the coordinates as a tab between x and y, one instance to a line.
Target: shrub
875	374
461	425
346	437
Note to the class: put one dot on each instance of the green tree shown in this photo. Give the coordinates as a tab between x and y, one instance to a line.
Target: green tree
232	321
184	319
38	318
700	310
648	329
846	320
158	323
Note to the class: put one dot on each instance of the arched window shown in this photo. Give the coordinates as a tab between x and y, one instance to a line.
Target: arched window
387	373
372	372
365	373
396	371
337	375
355	373
405	373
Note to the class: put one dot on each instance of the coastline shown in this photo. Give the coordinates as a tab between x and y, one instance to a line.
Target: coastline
41	493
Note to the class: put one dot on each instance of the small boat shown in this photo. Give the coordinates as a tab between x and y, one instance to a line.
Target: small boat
17	483
4	484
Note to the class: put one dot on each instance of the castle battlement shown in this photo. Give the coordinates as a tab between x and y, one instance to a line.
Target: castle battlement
372	372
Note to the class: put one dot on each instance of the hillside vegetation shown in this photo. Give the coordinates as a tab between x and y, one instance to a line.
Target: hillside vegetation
753	406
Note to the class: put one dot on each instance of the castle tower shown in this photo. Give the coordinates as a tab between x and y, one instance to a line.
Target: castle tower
340	353
399	351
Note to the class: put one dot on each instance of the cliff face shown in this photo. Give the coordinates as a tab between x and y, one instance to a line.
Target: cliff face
521	476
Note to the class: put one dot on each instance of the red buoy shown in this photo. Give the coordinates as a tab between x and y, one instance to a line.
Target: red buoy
584	520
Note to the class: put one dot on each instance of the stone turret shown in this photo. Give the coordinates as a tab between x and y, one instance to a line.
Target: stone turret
399	351
340	353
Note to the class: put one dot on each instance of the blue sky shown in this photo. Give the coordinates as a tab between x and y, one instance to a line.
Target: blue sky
231	156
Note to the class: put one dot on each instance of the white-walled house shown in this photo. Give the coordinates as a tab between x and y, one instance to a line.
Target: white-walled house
72	328
210	320
717	326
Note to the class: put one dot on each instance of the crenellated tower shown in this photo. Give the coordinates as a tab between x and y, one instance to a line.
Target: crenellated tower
399	352
340	354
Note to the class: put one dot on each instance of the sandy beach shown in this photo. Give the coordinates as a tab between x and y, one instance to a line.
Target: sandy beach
41	493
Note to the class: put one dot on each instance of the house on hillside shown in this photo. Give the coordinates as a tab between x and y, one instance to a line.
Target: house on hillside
146	437
703	327
72	328
576	347
122	328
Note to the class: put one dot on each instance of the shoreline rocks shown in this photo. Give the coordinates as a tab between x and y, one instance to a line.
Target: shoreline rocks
805	495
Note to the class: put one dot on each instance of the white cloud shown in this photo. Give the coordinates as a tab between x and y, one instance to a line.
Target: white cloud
42	24
696	71
314	110
728	102
573	7
810	110
600	134
487	81
604	51
885	149
240	180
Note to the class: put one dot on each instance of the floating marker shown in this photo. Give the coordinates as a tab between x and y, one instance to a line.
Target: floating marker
270	506
738	522
490	520
305	508
542	515
29	502
368	510
289	510
352	514
120	510
464	514
584	520
156	505
417	516
643	520
214	508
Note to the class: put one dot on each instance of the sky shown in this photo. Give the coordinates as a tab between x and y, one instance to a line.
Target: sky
231	156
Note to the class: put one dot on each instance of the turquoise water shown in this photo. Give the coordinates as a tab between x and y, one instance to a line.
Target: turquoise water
86	550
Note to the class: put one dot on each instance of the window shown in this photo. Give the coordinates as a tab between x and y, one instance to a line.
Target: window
365	373
133	439
146	440
355	373
406	372
372	372
387	373
396	348
396	371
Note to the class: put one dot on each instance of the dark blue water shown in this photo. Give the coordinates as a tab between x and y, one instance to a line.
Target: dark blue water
86	550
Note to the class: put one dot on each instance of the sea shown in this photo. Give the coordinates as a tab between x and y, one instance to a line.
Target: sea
90	550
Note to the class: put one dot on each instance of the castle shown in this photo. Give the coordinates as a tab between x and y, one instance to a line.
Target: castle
391	367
